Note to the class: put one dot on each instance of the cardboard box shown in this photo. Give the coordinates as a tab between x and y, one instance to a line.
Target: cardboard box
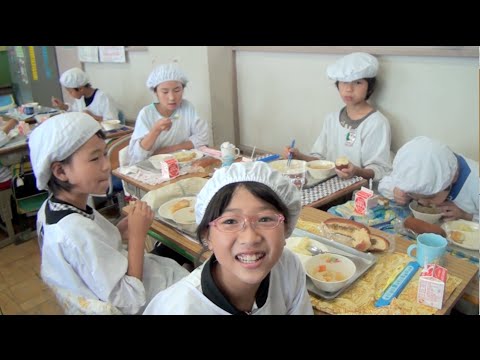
431	286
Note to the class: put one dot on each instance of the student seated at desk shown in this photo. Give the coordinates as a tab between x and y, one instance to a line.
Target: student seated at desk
5	173
358	131
169	125
82	251
92	101
245	212
428	171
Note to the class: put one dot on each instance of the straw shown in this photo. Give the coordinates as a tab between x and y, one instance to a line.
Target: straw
253	153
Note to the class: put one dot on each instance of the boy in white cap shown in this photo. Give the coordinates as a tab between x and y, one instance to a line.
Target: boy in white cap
82	251
92	101
428	171
245	212
169	125
358	131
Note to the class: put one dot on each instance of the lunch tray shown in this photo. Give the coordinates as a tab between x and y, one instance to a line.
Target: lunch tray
363	262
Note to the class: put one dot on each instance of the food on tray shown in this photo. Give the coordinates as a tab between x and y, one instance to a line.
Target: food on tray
341	162
465	227
359	233
302	247
457	236
184	156
323	274
420	226
426	209
379	243
179	205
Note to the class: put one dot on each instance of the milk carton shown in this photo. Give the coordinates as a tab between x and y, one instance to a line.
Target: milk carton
431	285
169	168
362	200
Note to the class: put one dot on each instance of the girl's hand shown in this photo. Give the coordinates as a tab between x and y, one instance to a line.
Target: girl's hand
289	150
139	221
348	172
122	226
400	197
450	211
163	125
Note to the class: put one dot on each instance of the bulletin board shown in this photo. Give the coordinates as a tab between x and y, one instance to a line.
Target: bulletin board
106	54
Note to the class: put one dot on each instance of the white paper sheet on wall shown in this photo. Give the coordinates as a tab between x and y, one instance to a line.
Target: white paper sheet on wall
112	54
88	53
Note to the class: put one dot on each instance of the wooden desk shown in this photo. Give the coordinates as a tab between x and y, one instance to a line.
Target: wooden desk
141	188
338	194
460	268
114	134
173	239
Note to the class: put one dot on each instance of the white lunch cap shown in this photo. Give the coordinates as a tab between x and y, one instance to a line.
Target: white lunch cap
74	78
56	139
166	72
257	171
424	166
353	67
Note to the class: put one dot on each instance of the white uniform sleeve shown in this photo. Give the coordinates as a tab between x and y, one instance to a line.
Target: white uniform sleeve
135	151
107	279
3	138
386	186
104	106
376	147
199	132
301	304
319	148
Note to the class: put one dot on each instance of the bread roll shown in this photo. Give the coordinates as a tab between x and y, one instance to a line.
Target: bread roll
379	243
359	233
420	226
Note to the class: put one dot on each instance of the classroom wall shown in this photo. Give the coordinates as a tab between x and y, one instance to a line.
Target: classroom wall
287	95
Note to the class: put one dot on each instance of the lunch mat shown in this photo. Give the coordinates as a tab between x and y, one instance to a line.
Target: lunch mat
361	296
326	188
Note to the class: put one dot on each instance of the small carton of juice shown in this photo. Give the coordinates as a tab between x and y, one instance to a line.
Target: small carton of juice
431	285
361	200
170	168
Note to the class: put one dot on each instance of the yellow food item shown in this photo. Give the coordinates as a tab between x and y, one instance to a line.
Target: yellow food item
184	156
465	227
301	247
179	205
457	236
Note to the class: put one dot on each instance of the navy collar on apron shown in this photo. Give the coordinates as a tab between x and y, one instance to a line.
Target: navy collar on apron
56	210
463	173
213	293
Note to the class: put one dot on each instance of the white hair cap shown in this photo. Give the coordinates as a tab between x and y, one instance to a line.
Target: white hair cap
166	72
74	78
257	171
56	139
424	166
353	67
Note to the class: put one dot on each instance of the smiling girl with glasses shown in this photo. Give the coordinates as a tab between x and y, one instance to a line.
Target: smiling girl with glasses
245	212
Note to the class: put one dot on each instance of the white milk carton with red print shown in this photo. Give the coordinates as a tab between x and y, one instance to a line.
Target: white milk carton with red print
431	286
362	200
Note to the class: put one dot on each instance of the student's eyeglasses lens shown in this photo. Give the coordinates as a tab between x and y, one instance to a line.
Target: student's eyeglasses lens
234	223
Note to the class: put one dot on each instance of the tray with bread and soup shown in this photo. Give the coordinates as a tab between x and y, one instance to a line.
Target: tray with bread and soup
335	254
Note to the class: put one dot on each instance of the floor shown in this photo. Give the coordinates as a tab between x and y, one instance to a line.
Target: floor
22	291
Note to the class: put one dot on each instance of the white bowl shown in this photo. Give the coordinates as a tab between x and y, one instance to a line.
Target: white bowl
337	267
185	218
320	169
281	166
419	212
111	124
157	160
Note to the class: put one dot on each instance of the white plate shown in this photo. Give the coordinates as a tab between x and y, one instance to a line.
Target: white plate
294	242
472	238
165	210
198	155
